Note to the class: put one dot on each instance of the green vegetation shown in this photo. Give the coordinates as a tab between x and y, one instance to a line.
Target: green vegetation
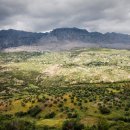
85	89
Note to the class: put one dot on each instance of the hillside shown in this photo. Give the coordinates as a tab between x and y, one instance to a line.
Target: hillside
46	89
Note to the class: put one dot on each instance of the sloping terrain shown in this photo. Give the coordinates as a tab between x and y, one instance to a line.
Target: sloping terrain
46	89
84	65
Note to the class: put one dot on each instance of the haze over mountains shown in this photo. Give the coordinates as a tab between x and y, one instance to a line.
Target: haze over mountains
61	38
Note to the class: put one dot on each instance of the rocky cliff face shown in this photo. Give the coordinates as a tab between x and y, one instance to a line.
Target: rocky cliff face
14	38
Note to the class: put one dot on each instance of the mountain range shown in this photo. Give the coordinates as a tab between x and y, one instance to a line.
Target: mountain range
61	37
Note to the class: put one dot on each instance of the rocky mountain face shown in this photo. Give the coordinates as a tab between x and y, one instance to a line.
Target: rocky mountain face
75	34
15	38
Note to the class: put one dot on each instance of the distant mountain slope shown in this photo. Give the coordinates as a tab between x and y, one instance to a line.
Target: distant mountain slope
15	38
75	34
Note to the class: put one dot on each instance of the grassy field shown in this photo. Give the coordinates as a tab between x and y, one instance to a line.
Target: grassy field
89	87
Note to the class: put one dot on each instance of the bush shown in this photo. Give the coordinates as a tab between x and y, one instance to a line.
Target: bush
46	128
72	125
121	126
50	115
17	125
20	114
34	111
5	117
103	124
72	115
104	110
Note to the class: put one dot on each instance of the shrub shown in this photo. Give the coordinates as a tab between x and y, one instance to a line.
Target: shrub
72	125
20	114
72	115
103	124
126	108
50	115
104	110
46	128
85	101
65	99
60	105
34	111
16	125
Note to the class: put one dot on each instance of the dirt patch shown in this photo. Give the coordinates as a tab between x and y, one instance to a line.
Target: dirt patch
52	70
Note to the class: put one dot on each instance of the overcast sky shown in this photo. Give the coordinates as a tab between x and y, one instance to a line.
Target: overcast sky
45	15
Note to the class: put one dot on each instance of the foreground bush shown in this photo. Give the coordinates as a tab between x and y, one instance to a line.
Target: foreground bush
104	110
16	125
72	125
50	115
34	111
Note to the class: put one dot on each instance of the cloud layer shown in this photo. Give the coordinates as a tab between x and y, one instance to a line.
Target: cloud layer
44	15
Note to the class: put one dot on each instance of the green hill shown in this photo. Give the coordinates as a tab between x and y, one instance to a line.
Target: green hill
49	88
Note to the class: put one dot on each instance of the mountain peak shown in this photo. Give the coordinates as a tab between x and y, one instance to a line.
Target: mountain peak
74	29
14	38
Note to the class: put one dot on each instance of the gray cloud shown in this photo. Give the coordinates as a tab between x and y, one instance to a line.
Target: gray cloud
43	15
